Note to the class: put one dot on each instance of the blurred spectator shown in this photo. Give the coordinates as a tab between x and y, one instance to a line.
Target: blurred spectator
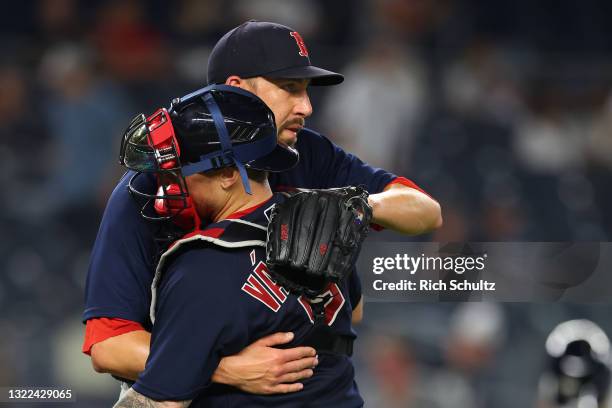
476	333
195	28
550	140
393	380
197	22
599	155
59	21
599	143
408	20
85	115
23	138
376	111
303	15
551	146
130	47
485	81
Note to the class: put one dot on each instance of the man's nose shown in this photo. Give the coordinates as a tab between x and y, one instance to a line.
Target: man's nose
303	107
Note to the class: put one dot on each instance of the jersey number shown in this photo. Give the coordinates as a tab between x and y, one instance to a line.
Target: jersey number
260	286
333	302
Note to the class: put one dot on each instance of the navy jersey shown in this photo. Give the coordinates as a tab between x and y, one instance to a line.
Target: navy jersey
212	301
122	261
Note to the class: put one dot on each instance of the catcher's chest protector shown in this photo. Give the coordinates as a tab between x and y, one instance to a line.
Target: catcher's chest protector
226	234
237	233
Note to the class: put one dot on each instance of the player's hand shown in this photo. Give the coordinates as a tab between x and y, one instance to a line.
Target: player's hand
262	369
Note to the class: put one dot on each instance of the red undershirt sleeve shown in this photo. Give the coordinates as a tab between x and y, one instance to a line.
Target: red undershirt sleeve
102	328
405	182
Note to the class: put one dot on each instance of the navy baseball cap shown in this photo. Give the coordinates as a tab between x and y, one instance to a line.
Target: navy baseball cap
258	48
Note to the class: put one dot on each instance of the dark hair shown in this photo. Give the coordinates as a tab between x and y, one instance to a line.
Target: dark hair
257	175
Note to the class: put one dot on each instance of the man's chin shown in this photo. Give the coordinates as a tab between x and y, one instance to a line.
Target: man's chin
288	137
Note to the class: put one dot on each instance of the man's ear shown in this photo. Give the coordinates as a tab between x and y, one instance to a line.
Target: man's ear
235	80
248	84
228	177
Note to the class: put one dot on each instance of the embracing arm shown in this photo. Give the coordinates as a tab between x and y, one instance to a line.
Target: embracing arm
262	369
123	356
133	399
406	210
258	369
400	206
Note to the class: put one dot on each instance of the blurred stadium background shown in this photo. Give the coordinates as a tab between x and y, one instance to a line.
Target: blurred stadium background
502	110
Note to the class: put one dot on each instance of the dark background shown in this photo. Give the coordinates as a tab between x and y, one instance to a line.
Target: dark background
499	109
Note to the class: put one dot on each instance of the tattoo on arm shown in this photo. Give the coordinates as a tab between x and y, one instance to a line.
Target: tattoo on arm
133	399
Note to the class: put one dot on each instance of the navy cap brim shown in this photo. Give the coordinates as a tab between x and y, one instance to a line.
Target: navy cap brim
318	76
282	158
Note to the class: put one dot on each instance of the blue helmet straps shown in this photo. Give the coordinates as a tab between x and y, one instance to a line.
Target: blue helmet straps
229	154
226	144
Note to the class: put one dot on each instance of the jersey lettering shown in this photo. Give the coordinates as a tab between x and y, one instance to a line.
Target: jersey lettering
334	304
273	295
252	257
270	294
307	308
334	300
259	292
261	270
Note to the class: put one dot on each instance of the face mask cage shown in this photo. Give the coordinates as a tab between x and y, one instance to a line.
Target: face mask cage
149	146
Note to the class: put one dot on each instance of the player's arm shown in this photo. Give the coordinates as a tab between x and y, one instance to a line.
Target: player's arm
398	203
118	282
133	399
262	369
123	356
259	368
405	209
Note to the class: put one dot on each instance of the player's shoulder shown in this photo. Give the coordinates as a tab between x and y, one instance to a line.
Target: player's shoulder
217	244
262	213
122	217
120	194
201	264
121	199
224	245
195	254
309	139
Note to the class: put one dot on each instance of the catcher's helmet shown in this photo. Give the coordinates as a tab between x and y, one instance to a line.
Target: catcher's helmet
214	127
578	352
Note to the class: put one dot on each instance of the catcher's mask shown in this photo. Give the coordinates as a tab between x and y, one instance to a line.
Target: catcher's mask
215	127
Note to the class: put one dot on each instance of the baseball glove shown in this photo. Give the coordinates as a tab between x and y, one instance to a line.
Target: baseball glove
314	237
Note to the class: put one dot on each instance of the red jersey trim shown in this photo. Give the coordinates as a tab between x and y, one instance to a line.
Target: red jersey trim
246	211
103	328
405	182
210	232
217	232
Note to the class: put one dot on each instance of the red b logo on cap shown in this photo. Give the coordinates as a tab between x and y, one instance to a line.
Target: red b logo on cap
300	43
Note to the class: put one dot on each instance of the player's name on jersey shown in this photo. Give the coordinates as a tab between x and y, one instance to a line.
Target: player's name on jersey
430	285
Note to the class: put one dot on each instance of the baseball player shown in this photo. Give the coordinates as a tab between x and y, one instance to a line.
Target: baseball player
273	62
578	370
221	268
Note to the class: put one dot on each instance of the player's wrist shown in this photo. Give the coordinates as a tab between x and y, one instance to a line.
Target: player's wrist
222	375
374	203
